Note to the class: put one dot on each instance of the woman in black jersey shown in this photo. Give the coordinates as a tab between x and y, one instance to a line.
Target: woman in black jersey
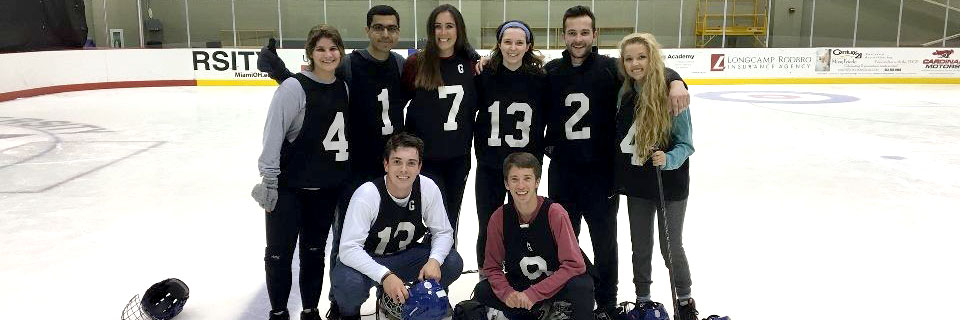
650	137
304	167
443	104
510	92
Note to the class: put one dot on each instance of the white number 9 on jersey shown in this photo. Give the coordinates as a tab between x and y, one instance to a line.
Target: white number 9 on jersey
539	267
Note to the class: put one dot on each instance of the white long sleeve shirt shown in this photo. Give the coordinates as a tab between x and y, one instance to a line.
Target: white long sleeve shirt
362	213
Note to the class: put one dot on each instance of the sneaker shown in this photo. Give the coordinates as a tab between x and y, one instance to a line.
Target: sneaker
334	313
279	315
311	314
688	310
557	310
606	313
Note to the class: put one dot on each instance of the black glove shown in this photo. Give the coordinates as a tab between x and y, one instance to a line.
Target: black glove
268	61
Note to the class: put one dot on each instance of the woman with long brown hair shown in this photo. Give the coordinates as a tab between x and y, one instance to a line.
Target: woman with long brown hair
649	137
443	104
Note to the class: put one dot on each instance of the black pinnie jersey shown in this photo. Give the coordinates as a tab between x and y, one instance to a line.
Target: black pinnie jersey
376	104
396	228
444	117
530	250
510	116
634	179
318	157
581	108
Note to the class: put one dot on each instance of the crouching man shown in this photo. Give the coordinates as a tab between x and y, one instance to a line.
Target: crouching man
533	262
395	230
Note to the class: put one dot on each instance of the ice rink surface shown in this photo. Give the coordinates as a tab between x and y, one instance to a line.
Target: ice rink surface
806	201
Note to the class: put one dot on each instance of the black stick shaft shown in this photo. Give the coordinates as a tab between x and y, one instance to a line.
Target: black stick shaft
666	235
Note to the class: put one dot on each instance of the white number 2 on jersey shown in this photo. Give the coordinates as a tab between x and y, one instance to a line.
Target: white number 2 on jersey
384	236
583	133
340	145
457	91
384	98
523	126
537	262
629	145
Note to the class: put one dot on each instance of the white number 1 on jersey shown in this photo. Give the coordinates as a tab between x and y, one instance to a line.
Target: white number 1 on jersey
384	98
336	131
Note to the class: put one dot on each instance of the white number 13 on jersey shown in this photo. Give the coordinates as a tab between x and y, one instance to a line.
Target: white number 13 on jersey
523	126
583	133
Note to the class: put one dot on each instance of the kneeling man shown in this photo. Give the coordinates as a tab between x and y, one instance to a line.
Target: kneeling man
395	230
532	258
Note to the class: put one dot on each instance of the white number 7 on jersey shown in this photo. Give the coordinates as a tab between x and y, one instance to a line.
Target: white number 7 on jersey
457	90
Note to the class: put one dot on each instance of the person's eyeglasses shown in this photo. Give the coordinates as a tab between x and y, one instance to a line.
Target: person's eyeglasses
381	28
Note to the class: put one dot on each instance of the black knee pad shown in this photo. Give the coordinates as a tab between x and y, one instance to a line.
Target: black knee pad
312	255
581	285
470	310
277	256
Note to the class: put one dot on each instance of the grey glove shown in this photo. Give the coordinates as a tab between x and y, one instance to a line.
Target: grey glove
265	193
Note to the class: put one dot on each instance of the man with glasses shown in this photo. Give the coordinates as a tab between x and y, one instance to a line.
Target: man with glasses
376	100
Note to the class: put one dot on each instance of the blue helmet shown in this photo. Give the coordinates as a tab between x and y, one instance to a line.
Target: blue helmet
427	301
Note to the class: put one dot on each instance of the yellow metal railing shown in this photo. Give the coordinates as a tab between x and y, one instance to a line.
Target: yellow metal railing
749	19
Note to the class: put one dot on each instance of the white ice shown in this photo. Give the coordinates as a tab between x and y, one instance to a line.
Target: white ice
796	211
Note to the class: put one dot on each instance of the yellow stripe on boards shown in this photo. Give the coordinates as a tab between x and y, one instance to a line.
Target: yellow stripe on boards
236	83
824	81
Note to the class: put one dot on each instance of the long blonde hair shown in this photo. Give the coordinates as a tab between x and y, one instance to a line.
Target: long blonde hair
651	114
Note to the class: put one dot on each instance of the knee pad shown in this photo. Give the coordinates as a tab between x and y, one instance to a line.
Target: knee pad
277	255
470	310
312	255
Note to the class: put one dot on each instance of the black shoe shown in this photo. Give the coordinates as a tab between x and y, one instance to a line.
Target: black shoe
312	314
688	310
279	315
334	313
606	313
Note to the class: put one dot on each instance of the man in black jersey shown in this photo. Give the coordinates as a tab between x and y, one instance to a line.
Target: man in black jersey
581	112
373	76
376	100
395	230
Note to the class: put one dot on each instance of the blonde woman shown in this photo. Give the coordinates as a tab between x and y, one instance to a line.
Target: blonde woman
650	137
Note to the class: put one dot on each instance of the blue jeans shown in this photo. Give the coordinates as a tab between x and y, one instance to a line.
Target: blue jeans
351	288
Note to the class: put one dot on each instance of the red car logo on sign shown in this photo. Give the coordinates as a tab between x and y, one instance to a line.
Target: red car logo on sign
943	53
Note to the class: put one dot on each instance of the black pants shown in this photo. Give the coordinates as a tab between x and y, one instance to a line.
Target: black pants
306	214
360	173
585	190
577	292
451	176
490	195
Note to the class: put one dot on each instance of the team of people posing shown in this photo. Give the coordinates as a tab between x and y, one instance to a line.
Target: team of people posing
339	151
